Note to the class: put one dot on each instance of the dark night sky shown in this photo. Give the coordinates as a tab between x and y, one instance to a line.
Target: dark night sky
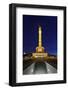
49	33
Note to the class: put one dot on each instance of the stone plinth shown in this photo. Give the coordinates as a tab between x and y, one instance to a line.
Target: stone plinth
39	55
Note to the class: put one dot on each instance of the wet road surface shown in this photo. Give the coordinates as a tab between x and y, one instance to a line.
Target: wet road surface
42	67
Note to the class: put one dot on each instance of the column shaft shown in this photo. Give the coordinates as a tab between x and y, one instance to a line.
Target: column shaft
40	37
